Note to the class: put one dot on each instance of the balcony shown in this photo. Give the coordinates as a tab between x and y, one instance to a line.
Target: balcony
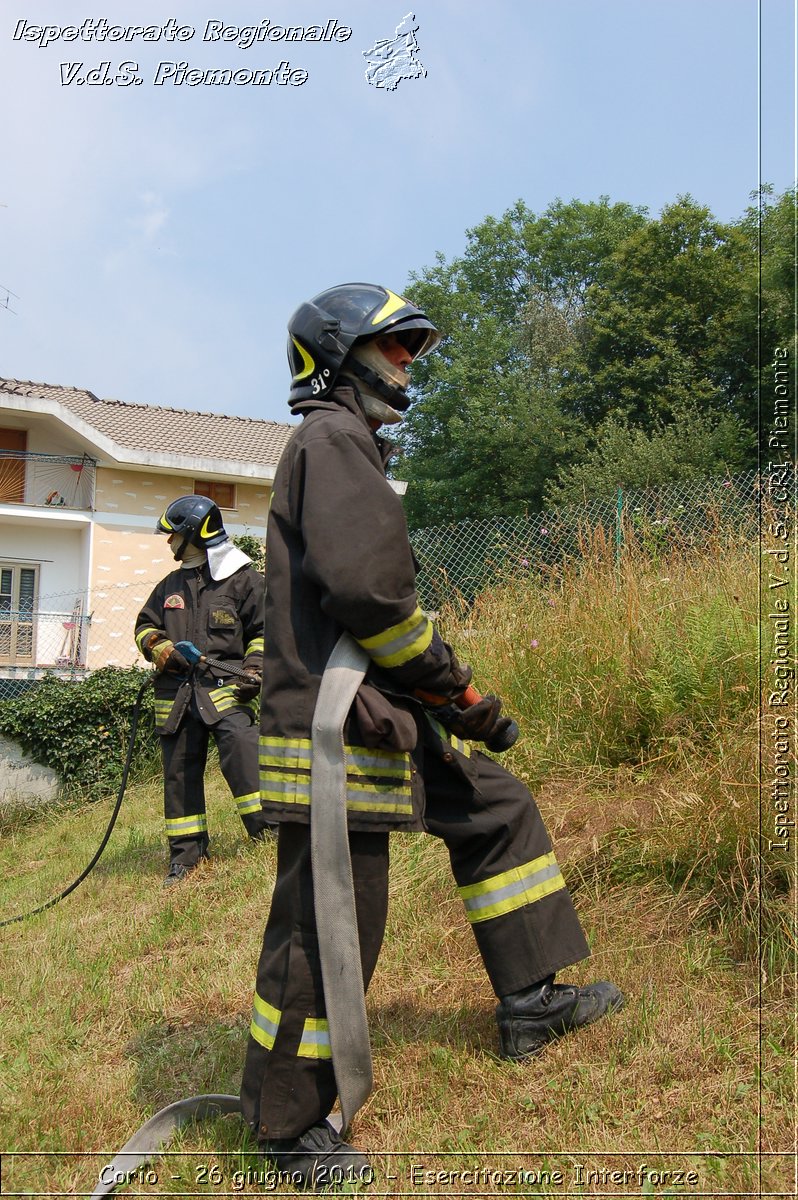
47	480
34	643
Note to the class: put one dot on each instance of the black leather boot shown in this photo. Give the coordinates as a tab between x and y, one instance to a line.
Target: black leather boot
319	1158
538	1014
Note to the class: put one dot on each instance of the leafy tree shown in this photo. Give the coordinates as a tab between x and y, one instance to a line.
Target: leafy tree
693	445
487	429
592	343
661	321
767	315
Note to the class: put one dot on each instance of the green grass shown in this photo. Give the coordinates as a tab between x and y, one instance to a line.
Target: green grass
126	997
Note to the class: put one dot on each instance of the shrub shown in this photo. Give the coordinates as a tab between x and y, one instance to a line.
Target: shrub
81	729
254	547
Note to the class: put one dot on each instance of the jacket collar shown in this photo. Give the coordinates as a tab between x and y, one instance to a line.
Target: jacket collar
346	396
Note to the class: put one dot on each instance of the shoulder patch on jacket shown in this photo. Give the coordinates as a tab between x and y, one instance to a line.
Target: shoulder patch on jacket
174	601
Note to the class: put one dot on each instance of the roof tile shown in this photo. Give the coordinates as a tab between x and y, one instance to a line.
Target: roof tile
168	430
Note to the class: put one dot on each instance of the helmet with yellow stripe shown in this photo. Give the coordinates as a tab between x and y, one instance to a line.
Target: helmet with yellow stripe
338	329
197	519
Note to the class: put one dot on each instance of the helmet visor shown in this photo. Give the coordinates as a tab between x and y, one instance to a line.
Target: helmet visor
417	335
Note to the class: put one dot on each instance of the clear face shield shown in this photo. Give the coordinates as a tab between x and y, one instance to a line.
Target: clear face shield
387	356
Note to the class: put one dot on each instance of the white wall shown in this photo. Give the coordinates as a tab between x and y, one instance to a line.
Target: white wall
62	555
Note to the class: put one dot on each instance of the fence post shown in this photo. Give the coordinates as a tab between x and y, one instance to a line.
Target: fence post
618	526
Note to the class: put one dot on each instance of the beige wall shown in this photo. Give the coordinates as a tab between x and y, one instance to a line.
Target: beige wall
143	494
126	565
128	559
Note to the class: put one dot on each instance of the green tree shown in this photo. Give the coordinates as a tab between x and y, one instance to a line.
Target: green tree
662	324
487	429
693	445
766	319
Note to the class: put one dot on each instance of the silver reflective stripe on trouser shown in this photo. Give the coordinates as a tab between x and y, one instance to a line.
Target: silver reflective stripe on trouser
333	888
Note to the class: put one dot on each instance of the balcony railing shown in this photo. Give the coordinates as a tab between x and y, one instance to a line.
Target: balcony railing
30	638
47	480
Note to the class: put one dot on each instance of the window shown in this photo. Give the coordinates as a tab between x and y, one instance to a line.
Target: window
222	494
19	588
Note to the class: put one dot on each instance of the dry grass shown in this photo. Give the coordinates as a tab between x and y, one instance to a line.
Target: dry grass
125	997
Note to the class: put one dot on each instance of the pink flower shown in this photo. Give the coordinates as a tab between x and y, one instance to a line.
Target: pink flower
544	532
534	643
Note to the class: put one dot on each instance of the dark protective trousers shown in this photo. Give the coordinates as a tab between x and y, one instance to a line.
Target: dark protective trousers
184	755
522	916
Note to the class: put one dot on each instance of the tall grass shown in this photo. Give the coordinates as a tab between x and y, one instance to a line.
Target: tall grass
647	664
638	715
611	662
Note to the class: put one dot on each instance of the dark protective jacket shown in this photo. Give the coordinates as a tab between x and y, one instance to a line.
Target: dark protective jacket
223	618
339	558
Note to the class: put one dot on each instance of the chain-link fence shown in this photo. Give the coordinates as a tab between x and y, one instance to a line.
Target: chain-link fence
461	559
71	634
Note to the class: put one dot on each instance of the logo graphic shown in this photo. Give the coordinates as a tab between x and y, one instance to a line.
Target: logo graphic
174	601
221	617
390	60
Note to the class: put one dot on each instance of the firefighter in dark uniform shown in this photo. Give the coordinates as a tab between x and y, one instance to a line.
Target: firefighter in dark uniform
214	600
340	559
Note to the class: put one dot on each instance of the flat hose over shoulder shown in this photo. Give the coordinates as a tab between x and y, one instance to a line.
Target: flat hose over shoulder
333	888
336	922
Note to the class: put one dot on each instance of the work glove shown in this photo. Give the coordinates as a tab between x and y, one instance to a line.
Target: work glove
166	658
248	689
480	722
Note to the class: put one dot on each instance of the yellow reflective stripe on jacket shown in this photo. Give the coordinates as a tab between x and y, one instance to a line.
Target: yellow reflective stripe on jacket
285	752
512	889
223	698
256	646
315	1041
248	804
399	643
454	741
143	634
376	780
398	807
186	826
265	1022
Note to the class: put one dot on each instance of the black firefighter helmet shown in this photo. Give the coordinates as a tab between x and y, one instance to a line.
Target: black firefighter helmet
197	519
322	332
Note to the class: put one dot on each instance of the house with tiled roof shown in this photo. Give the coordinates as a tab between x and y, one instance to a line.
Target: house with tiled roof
82	483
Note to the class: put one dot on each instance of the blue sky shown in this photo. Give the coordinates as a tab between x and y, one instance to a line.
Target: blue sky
158	238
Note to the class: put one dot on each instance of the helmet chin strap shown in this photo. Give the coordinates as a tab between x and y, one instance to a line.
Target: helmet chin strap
373	405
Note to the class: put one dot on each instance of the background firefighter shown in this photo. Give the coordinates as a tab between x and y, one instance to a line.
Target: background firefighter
340	559
214	598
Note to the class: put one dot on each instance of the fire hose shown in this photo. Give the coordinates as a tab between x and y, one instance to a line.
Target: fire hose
334	903
336	922
193	656
134	721
336	918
